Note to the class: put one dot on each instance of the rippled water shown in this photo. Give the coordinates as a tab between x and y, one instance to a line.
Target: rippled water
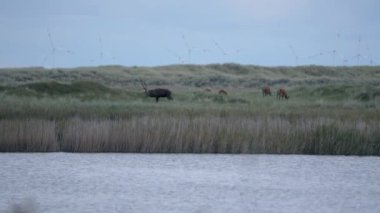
62	182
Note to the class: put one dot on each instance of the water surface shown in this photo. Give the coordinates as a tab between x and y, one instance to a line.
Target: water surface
63	182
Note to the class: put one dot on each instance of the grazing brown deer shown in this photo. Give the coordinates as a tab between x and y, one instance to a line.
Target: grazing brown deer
157	93
222	92
281	94
266	91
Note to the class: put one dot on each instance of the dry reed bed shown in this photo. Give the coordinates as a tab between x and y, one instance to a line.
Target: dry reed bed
28	136
183	134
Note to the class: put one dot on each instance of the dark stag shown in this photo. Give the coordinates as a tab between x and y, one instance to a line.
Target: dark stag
157	93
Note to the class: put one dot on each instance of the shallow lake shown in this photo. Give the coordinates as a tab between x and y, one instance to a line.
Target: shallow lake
64	182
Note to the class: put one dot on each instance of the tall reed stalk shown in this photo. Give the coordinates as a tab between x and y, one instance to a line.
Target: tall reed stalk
28	136
184	134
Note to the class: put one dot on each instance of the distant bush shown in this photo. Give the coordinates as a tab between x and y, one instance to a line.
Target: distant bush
230	68
367	96
56	88
207	81
363	96
51	88
314	70
333	91
375	94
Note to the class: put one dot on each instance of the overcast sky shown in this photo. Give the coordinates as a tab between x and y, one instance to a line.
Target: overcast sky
70	33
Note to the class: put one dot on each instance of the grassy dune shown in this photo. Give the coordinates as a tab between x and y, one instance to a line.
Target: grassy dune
331	110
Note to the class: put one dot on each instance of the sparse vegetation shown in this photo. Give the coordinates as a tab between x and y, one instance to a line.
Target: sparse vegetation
331	110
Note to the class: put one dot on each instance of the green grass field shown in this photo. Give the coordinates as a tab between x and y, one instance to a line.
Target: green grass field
331	110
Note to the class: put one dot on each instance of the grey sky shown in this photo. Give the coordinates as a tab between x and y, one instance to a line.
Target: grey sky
157	32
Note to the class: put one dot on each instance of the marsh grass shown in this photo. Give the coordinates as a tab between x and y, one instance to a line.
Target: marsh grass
28	136
183	134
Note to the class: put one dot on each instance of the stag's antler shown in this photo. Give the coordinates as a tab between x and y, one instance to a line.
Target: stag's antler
143	84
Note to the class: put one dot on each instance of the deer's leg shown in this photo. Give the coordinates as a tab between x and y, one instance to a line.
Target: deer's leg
157	99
